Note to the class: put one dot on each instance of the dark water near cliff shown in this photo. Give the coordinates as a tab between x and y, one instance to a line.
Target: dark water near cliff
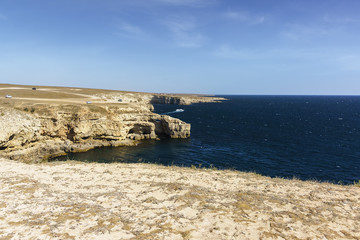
308	137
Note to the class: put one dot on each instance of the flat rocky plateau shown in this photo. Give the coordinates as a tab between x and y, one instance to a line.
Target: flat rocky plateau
73	200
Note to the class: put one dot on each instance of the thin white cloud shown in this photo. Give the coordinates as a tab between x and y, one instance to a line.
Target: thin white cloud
259	20
227	52
242	16
189	3
150	4
185	34
290	35
329	19
303	32
245	17
131	31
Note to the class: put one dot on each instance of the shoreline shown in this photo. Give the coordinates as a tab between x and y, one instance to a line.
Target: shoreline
75	200
44	122
192	166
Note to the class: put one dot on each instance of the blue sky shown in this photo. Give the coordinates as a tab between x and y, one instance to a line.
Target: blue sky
183	46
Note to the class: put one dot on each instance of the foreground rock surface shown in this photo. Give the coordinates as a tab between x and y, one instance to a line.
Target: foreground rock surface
73	200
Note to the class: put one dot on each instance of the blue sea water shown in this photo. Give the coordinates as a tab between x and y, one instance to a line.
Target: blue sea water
307	137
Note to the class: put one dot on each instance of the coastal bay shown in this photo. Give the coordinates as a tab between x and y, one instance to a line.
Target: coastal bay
179	120
79	200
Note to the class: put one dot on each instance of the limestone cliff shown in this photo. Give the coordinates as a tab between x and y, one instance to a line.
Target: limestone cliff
182	99
41	122
50	130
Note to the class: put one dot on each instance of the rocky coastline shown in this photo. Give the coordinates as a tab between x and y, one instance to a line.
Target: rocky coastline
77	200
56	121
183	99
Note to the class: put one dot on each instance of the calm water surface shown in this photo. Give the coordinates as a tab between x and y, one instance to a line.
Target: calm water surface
308	137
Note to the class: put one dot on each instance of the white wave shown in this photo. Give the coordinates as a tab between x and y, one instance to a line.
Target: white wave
176	111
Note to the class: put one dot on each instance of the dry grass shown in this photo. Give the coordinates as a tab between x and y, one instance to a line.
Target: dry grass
28	93
357	184
23	94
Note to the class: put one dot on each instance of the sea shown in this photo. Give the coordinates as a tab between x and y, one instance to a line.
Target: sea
303	137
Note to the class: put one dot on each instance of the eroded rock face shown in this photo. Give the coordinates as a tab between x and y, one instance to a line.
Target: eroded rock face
158	99
182	99
17	128
174	128
56	129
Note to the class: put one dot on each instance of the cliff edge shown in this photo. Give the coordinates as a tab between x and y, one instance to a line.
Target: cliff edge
43	122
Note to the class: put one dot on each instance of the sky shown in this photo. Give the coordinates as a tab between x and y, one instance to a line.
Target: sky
301	47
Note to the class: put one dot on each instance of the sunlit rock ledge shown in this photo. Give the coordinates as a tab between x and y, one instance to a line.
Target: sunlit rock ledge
41	122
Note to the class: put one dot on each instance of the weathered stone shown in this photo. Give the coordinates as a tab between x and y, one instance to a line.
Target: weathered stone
182	99
56	129
174	128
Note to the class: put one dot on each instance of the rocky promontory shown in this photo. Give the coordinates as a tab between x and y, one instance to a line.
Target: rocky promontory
182	99
44	122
